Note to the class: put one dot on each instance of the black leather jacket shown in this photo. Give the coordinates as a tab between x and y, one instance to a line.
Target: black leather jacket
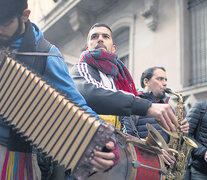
193	117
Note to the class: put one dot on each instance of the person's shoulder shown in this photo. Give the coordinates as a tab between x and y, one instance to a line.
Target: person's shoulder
83	67
200	104
54	50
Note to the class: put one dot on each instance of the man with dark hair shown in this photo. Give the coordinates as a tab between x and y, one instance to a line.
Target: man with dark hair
154	83
148	73
158	91
18	34
107	85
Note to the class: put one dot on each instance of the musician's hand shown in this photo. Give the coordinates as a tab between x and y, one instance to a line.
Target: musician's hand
184	126
163	114
103	160
205	157
168	156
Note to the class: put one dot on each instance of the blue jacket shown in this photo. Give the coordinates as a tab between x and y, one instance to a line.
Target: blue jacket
143	120
57	73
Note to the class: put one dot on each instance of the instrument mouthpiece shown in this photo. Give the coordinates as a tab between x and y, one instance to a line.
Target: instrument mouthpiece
168	90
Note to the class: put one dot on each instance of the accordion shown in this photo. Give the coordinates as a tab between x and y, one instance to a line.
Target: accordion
49	120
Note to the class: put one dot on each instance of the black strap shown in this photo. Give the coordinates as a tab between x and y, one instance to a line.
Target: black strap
27	45
42	46
37	54
203	110
133	125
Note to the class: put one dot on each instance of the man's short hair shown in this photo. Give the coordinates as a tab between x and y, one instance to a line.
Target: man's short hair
100	25
10	9
148	73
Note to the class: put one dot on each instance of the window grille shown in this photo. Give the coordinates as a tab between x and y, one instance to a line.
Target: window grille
198	22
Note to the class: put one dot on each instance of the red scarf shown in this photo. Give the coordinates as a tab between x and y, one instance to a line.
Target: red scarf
109	64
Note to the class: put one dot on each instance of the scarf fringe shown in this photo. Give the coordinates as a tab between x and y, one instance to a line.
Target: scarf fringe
17	166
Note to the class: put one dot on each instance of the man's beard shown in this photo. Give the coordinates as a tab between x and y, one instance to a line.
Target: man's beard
14	37
160	96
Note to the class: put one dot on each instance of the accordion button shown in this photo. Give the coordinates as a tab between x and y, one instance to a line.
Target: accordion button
98	147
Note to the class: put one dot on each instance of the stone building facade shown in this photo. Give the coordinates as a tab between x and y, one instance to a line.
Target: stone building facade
169	33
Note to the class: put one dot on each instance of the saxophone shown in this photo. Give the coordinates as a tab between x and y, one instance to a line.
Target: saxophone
181	143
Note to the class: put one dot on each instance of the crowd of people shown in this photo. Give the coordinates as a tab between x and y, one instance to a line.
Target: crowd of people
101	84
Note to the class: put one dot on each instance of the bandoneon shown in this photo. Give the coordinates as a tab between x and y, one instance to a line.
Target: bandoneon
49	120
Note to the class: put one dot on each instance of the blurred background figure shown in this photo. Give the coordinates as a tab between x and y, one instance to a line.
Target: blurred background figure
197	118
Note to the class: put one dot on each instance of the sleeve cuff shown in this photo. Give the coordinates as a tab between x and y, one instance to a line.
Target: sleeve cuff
141	106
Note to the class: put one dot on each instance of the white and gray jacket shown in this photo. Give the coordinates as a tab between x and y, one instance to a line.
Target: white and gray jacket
101	94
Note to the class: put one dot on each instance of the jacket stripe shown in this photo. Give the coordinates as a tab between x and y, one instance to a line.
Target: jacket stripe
84	72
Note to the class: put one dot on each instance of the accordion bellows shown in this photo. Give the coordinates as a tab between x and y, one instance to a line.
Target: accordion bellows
49	120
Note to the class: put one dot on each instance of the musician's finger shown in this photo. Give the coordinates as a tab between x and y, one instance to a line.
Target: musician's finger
184	126
165	161
97	167
173	151
96	170
168	157
184	121
101	164
184	129
162	121
110	145
104	155
173	118
168	121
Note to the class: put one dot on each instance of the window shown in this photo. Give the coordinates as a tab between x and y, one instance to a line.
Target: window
121	40
125	60
198	21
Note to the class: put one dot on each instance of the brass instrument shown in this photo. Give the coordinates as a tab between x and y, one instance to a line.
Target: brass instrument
181	143
154	138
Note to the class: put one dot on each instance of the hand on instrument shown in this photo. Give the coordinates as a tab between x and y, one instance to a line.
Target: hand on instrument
103	161
168	156
163	114
184	126
205	157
